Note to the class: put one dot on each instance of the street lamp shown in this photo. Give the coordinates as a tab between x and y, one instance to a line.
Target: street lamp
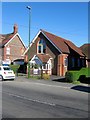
29	8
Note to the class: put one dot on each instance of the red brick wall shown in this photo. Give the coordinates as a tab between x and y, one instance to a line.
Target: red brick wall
61	68
50	49
58	67
32	52
16	49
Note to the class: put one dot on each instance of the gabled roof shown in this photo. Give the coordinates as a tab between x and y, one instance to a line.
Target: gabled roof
61	44
43	57
57	41
75	48
86	48
6	38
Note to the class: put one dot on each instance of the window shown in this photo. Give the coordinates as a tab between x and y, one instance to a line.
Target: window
8	51
83	62
73	62
78	62
39	49
8	61
6	68
44	66
41	46
66	61
49	66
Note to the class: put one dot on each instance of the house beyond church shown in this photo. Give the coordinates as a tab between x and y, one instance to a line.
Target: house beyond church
11	47
86	48
56	55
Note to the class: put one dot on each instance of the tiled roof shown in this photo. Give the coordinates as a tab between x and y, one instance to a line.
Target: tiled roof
58	41
44	57
62	44
6	37
75	48
86	48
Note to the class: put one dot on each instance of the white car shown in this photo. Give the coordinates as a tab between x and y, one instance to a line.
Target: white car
6	73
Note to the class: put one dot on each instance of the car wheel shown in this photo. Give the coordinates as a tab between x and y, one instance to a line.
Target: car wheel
1	78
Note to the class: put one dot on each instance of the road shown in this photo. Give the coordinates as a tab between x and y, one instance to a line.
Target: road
23	99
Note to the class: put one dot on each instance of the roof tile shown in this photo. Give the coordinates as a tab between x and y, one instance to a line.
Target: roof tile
6	37
44	57
86	48
62	44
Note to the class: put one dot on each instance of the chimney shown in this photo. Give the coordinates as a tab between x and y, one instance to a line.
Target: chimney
15	28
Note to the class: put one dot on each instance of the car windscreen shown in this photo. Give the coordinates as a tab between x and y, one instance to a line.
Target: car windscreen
6	68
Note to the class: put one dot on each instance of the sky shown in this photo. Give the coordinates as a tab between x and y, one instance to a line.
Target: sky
68	20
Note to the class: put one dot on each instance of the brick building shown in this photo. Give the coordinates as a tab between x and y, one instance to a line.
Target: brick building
55	54
86	48
11	47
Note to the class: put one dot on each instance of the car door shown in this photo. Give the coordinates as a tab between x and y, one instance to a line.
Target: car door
0	70
0	74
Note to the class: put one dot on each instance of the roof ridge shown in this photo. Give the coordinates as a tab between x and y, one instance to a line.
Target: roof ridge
85	44
7	34
7	37
53	34
77	49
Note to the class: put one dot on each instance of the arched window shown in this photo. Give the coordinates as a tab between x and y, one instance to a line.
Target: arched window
41	46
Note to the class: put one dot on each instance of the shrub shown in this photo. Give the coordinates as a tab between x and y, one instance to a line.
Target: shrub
85	71
74	76
46	76
69	76
76	82
14	68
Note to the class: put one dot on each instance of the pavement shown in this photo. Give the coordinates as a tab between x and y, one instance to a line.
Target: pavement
57	81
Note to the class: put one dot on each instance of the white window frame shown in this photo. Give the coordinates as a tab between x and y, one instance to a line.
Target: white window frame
44	66
66	62
8	51
42	47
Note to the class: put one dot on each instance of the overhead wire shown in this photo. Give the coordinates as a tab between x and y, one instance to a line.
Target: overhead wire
62	32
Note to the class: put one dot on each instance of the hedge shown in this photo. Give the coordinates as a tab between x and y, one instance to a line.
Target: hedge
72	76
85	71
